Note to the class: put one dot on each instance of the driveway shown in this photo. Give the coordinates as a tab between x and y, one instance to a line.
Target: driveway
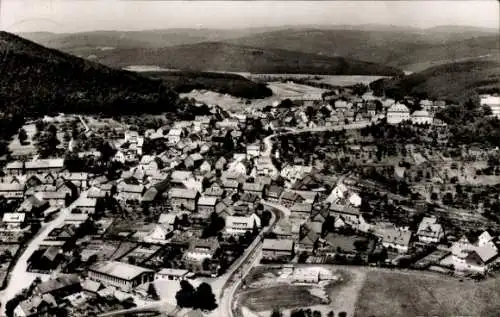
19	277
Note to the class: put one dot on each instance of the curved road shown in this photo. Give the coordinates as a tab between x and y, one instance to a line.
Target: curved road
20	278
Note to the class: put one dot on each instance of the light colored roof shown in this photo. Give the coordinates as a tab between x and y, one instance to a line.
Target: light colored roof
119	270
123	187
258	187
76	217
398	107
11	187
301	207
278	245
181	175
86	202
167	219
91	286
207	201
182	193
75	176
231	221
173	272
421	113
45	163
486	253
14	165
14	217
396	236
175	132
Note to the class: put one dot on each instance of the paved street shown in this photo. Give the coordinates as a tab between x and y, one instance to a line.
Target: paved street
19	277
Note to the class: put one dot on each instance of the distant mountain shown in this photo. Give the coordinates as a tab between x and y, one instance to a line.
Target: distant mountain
36	80
216	56
409	50
454	81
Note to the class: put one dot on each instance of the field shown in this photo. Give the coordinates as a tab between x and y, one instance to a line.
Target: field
393	294
268	288
291	90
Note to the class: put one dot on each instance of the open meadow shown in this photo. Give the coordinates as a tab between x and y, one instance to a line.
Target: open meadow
394	294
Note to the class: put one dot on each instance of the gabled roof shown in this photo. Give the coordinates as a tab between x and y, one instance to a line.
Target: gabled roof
11	187
45	163
117	269
301	207
167	219
278	245
207	201
182	193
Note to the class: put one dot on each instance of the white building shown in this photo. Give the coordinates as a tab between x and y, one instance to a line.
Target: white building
122	276
421	117
236	225
397	113
429	231
476	257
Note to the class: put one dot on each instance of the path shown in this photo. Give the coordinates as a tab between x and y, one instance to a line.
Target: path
20	278
348	295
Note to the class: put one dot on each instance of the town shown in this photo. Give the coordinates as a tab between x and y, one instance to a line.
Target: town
104	215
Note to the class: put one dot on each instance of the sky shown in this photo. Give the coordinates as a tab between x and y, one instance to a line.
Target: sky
68	16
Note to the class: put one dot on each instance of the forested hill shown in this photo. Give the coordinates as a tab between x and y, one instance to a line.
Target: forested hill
35	80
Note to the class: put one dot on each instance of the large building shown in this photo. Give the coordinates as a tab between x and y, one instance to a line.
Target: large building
397	113
281	250
122	276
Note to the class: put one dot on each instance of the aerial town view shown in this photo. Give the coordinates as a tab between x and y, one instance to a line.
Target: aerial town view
249	159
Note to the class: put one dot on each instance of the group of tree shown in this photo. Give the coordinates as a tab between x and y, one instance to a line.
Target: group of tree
301	312
201	297
215	225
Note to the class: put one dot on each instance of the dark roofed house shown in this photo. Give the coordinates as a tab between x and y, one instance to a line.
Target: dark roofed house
274	193
277	250
289	198
254	188
61	286
35	306
301	209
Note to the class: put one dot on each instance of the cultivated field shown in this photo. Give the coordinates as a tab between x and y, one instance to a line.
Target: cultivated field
394	294
334	80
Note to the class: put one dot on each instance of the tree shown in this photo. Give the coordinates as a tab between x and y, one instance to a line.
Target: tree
152	292
342	314
185	297
331	314
276	313
359	89
205	298
23	136
266	218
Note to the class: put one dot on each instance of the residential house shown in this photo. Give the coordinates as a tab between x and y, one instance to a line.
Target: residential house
159	234
301	210
236	225
201	249
281	250
33	204
395	238
253	150
273	193
86	205
80	180
14	220
169	220
76	219
254	188
35	306
55	198
179	177
215	191
350	215
221	163
421	117
193	161
119	275
230	185
129	192
397	113
14	168
171	274
429	231
476	256
290	198
175	135
12	190
205	167
209	204
149	164
183	199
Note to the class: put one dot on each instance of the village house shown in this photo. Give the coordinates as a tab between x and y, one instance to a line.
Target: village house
429	231
159	234
421	117
476	256
80	180
201	249
351	216
236	225
215	191
209	204
14	220
273	193
397	113
179	177
253	150
171	274
230	185
281	250
76	219
170	220
119	275
301	210
129	192
59	286
395	238
86	205
55	198
183	199
289	198
193	161
221	163
35	305
12	190
254	188
175	135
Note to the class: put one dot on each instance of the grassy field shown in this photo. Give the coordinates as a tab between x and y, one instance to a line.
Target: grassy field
283	297
390	294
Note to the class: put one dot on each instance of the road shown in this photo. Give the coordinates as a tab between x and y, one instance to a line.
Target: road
20	278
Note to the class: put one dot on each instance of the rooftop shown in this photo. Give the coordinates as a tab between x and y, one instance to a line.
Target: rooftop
119	270
278	245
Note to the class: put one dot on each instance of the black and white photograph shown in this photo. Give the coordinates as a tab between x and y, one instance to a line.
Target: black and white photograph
249	158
